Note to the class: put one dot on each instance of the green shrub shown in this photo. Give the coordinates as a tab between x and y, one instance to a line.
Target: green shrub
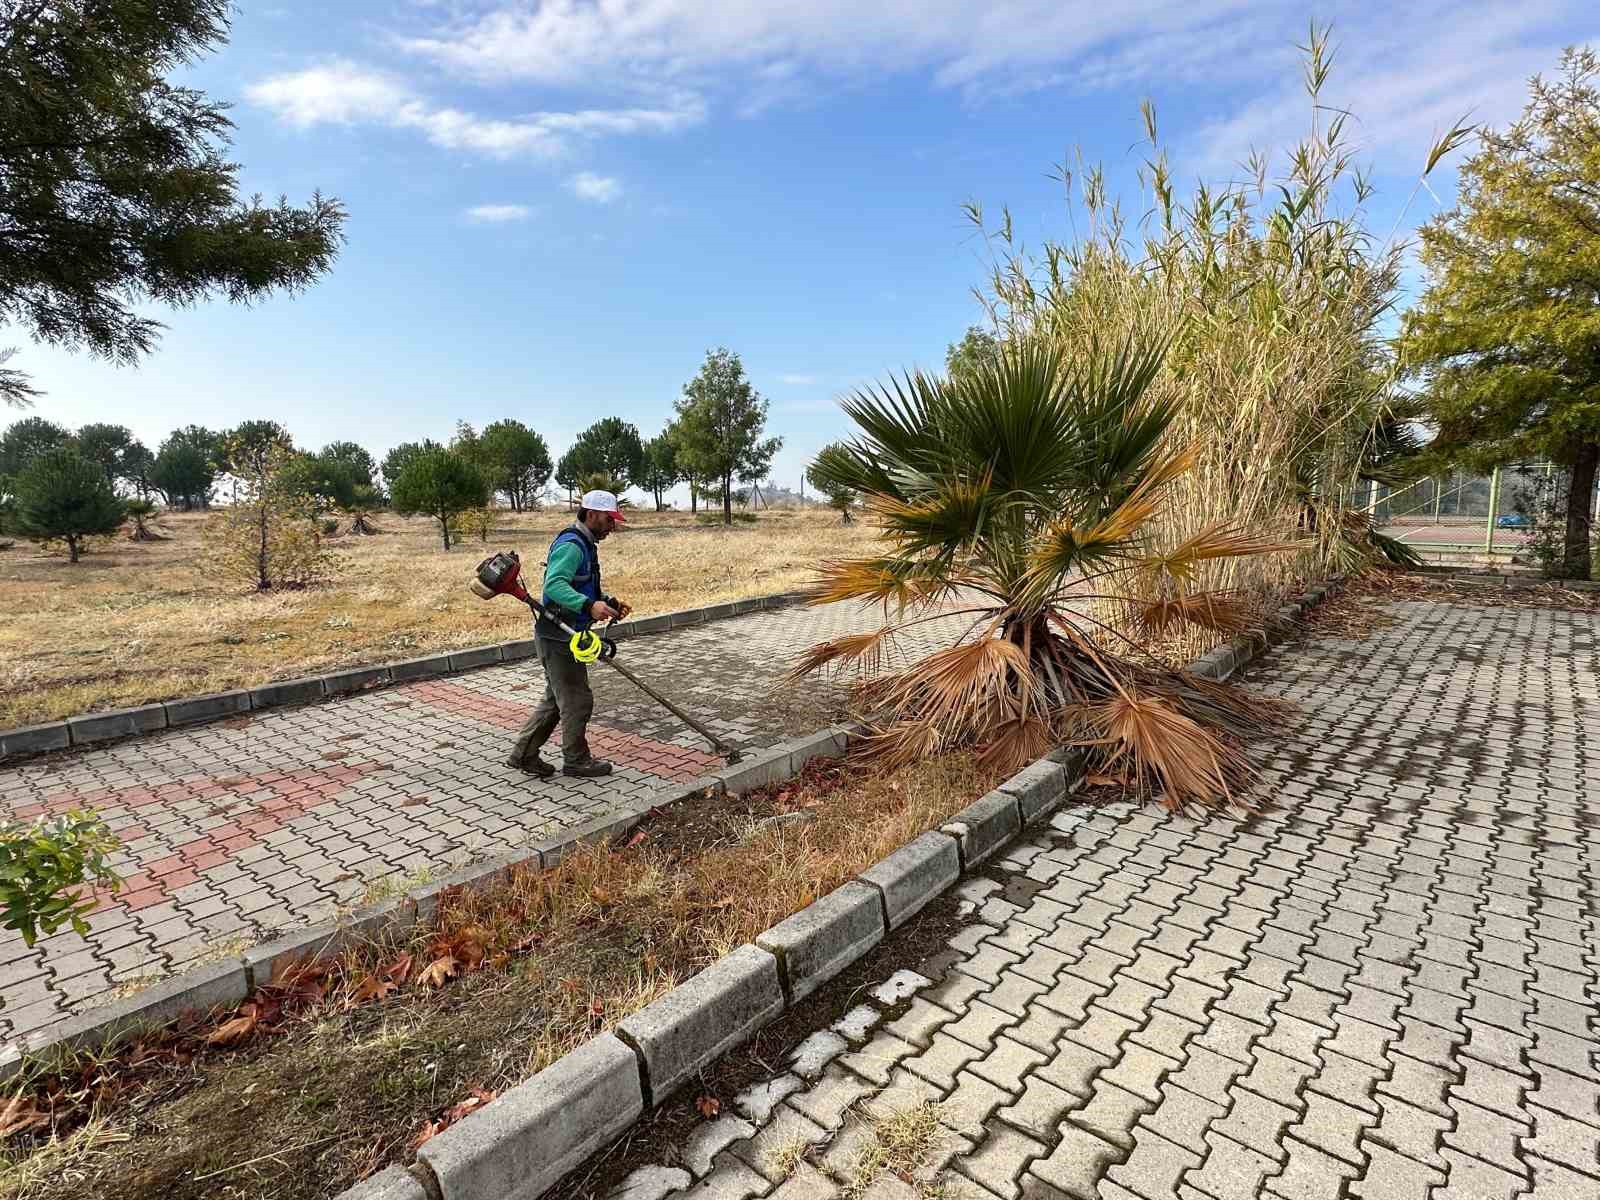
40	865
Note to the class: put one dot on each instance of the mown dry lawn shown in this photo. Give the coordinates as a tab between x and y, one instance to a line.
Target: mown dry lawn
346	1080
138	622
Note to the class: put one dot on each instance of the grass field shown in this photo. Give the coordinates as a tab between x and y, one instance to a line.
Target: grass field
138	622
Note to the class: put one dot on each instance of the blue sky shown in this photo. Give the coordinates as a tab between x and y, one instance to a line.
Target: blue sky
556	208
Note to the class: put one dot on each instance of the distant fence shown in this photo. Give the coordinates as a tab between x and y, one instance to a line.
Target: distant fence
1462	515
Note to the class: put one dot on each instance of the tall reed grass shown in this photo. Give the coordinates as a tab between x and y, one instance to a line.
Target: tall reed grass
1275	298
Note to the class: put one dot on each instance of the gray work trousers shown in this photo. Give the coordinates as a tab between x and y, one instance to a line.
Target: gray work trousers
567	702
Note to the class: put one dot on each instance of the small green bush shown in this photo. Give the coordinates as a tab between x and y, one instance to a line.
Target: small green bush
40	865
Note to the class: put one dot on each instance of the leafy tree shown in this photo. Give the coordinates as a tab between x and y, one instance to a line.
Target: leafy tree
516	460
105	444
135	467
720	421
185	468
355	461
63	497
1020	494
269	536
976	349
320	484
26	439
114	186
467	444
254	449
613	446
1506	332
826	474
660	467
442	485
395	461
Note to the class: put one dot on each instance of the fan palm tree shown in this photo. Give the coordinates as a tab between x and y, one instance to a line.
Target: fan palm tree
1018	495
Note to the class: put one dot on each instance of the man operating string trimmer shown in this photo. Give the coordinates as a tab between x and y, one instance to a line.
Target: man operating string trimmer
571	589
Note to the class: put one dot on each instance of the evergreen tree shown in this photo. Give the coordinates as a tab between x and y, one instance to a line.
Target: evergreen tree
63	497
660	467
105	444
613	446
115	185
516	460
720	421
440	484
185	467
1505	335
25	440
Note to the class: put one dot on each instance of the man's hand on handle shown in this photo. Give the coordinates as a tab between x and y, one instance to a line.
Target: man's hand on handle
601	611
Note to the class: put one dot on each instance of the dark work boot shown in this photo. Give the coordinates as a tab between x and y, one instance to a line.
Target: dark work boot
533	765
587	768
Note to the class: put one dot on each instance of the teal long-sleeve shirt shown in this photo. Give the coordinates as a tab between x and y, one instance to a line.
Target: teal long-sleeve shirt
558	572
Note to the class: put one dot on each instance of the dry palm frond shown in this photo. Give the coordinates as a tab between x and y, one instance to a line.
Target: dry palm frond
909	584
970	677
1208	545
865	650
1015	743
1184	759
1226	615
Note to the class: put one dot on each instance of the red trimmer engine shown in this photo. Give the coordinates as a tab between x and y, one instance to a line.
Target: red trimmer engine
500	575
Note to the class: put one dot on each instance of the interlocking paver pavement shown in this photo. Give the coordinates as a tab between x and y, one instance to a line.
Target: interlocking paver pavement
1383	983
236	831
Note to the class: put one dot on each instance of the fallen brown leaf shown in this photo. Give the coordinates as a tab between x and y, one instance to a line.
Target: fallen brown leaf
708	1106
21	1114
369	989
233	1030
441	969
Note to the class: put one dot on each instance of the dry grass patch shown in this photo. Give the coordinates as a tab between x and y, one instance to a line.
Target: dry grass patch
341	1070
135	623
898	1143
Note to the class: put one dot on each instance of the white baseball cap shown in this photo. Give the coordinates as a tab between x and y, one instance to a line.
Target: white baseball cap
605	502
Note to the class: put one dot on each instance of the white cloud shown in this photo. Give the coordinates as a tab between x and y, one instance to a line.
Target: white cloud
339	93
602	189
1409	69
344	93
797	380
499	213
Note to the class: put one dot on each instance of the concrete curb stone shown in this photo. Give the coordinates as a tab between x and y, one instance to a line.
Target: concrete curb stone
535	1133
210	707
419	668
1037	786
477	656
391	1183
290	691
122	722
355	679
984	826
220	985
34	739
707	1014
913	875
825	937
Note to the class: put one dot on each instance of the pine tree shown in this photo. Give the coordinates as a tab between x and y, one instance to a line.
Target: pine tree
441	484
63	497
115	185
